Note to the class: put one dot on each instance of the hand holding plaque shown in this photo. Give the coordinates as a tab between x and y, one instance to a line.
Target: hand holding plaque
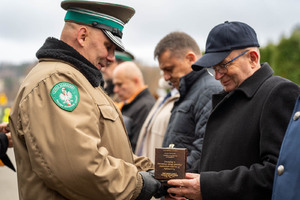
170	163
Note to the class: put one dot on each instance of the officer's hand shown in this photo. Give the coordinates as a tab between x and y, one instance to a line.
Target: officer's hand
151	186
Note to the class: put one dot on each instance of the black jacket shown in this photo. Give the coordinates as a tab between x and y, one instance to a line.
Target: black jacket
190	113
3	144
243	137
3	148
136	112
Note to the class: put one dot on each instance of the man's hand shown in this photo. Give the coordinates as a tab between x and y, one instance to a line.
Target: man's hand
188	188
5	129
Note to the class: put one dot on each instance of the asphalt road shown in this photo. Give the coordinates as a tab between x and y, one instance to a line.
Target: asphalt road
8	180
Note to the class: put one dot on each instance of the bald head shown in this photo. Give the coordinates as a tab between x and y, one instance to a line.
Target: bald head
130	70
128	79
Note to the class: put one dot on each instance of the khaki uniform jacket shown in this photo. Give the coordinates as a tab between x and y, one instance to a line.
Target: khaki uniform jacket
79	154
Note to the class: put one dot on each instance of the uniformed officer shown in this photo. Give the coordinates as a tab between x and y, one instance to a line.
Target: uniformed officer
287	175
69	138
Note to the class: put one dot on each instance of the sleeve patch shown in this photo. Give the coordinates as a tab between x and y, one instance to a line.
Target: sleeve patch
65	95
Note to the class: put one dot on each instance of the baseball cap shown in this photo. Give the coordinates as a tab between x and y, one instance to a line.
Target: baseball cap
108	17
222	40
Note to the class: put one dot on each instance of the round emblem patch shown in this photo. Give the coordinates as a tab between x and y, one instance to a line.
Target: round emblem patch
65	95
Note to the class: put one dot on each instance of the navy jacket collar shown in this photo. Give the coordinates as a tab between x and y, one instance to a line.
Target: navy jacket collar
188	80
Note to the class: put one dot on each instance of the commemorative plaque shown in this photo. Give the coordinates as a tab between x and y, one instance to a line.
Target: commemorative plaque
170	163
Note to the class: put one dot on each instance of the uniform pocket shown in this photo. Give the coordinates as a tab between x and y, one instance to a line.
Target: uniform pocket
108	112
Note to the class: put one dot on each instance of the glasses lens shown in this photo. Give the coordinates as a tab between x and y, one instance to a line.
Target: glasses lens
211	71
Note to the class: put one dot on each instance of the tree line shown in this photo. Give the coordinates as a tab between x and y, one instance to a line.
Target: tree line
284	57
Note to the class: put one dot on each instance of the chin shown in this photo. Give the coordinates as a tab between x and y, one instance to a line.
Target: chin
228	89
98	67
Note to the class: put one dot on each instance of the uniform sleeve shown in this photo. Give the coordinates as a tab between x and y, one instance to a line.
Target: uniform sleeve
143	163
255	182
66	148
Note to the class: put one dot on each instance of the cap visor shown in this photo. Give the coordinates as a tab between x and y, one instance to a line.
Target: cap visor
209	60
116	40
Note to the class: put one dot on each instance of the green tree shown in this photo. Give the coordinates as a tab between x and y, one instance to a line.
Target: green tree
285	57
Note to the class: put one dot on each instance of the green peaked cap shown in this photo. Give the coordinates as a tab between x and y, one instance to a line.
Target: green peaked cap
108	17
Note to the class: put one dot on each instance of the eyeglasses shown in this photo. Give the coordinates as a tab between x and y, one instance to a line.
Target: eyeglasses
222	68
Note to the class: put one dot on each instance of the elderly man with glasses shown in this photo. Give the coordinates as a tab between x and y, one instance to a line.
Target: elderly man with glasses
245	129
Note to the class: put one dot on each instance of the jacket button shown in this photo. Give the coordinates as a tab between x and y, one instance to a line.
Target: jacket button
296	116
280	170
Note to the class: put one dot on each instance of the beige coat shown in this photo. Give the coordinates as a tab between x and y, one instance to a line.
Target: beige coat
154	127
82	154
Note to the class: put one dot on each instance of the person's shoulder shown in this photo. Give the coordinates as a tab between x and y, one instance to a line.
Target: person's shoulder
278	82
146	96
49	73
208	83
49	67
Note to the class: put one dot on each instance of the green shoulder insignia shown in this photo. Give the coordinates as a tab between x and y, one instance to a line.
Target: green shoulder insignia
65	95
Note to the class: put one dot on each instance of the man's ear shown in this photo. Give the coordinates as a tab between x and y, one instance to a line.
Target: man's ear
254	58
82	35
136	80
191	57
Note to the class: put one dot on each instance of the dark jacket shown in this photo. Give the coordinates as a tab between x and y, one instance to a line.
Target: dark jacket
287	176
137	111
190	113
243	137
3	144
3	148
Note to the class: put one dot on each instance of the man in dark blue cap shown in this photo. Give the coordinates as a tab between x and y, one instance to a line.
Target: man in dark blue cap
246	127
69	138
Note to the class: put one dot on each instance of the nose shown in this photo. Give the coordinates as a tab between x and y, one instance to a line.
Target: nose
167	76
116	89
218	75
103	69
111	56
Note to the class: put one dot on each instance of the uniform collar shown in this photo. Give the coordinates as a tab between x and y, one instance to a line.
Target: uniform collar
188	80
57	49
252	84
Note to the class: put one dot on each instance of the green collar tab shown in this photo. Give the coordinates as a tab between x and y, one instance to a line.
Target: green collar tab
65	95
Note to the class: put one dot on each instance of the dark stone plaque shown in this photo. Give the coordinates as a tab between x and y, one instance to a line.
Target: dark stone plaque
170	163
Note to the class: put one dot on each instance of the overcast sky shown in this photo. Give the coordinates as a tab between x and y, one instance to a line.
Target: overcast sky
25	24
